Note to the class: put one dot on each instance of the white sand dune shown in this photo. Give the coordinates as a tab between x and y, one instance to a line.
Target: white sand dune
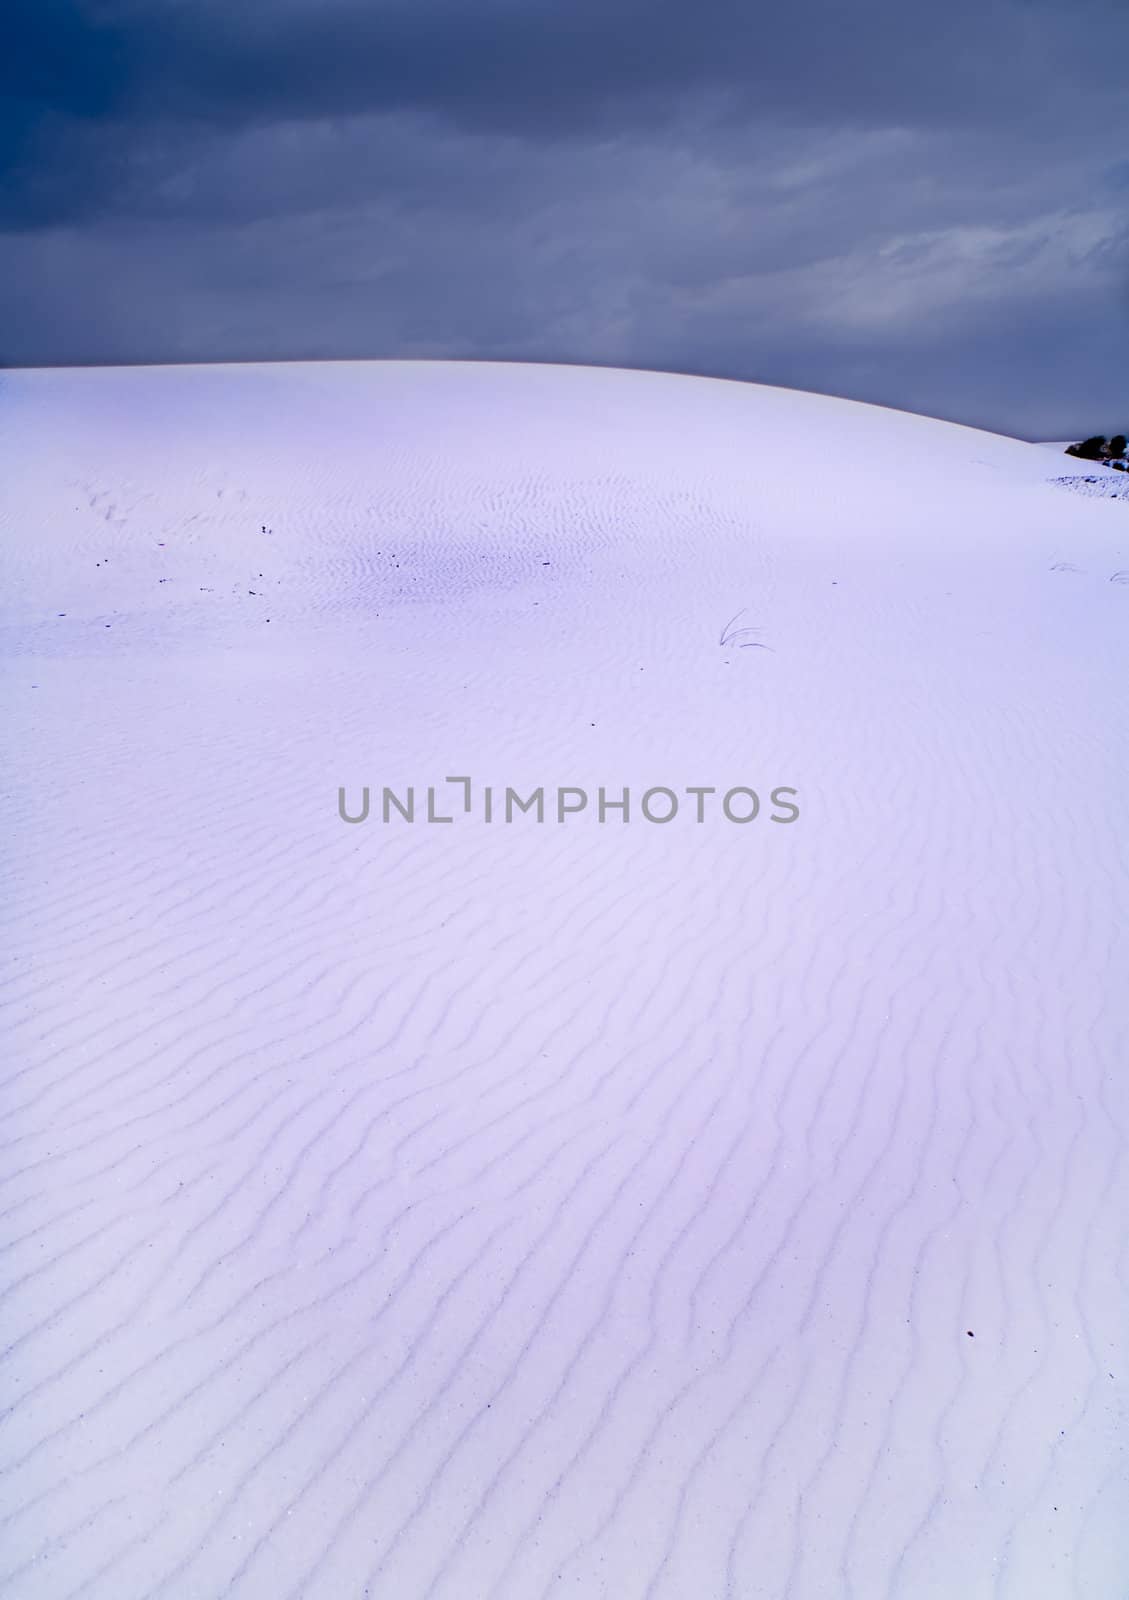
525	1210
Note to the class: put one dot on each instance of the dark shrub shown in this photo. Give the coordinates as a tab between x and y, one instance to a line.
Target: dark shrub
1089	449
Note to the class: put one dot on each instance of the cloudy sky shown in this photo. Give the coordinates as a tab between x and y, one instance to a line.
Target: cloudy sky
925	206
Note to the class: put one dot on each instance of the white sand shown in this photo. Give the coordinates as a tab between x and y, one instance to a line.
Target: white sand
554	1210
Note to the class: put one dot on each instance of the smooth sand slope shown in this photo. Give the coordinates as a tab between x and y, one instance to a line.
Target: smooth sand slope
530	1211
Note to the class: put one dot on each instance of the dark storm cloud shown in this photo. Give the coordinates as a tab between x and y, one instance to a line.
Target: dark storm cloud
540	67
920	205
